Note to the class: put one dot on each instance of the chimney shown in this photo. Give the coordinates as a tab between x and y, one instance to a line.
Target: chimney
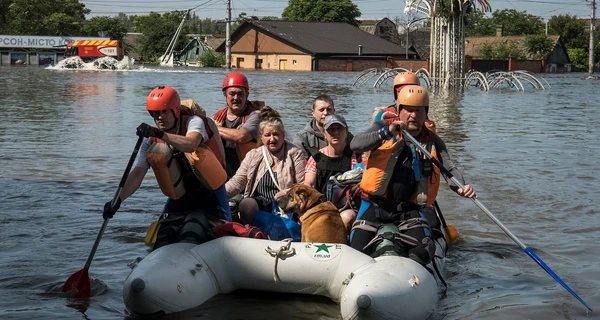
498	30
360	50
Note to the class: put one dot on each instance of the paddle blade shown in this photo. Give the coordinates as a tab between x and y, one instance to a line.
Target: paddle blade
451	234
150	237
78	284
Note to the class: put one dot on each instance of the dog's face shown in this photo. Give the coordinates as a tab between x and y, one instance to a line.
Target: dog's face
299	199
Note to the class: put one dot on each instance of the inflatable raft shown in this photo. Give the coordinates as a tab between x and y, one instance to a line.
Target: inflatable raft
182	276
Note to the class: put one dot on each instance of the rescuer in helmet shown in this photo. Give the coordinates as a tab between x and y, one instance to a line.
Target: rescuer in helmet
186	170
238	121
400	183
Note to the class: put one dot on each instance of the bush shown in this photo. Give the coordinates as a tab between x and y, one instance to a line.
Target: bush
210	58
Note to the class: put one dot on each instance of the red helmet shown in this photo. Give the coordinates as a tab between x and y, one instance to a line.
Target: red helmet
235	79
164	98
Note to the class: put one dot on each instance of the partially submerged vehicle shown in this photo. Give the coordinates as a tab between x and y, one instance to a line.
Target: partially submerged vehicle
104	54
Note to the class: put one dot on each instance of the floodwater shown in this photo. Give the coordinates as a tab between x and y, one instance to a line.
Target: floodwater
66	137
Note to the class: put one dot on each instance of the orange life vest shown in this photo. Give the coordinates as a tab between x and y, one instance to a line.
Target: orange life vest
382	161
204	162
220	116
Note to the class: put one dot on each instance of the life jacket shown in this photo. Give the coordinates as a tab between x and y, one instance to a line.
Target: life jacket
220	117
390	114
384	113
382	164
177	171
329	166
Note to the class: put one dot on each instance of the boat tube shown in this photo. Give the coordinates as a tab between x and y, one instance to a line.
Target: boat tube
182	276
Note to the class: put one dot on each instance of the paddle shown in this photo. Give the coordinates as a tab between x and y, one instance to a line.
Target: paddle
79	282
450	232
151	234
527	250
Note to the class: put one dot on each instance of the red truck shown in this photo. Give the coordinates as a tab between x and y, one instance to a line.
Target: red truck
89	50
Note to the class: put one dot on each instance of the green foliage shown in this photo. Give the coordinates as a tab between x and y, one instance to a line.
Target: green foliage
579	57
502	51
538	46
476	24
210	58
157	31
112	25
322	10
125	21
514	23
570	29
486	51
48	17
206	26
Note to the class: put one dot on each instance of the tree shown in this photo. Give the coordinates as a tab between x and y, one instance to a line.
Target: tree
111	25
501	51
157	31
570	29
538	46
49	17
4	6
476	24
322	10
125	20
514	23
210	58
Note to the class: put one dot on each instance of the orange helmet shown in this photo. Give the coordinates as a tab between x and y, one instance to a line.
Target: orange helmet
164	98
235	79
403	79
413	96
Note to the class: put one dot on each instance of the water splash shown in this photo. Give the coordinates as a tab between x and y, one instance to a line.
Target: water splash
104	63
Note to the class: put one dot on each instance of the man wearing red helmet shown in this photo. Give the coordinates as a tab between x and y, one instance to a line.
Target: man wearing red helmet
167	149
238	121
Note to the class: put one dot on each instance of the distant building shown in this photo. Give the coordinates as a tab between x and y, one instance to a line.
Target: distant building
556	61
383	28
35	50
311	46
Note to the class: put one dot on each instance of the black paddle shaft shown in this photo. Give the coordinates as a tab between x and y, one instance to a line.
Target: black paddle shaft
115	198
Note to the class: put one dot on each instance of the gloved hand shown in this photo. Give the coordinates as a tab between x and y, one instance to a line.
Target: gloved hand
109	210
149	131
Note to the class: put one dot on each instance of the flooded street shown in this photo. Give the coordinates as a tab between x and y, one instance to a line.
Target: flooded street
66	137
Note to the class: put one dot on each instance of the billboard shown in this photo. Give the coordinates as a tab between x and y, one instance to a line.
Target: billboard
40	42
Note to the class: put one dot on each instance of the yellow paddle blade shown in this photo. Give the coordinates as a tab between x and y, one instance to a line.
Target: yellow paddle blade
451	234
150	237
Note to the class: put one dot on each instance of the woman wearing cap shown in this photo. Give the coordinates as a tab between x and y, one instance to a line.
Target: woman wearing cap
272	167
333	159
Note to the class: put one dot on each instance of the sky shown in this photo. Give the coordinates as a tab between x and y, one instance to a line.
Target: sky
370	9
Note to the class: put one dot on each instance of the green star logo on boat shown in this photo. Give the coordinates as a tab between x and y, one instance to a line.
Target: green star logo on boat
323	247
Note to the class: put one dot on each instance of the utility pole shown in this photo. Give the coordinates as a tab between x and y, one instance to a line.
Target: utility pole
592	29
228	37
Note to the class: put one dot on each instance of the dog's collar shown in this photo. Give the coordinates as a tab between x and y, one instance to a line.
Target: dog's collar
322	199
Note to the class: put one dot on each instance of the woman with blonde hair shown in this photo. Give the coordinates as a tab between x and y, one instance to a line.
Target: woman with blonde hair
274	166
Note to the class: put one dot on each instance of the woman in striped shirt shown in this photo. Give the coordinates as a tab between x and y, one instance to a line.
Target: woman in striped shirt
274	166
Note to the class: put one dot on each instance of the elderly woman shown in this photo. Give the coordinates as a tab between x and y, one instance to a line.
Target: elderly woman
333	159
274	166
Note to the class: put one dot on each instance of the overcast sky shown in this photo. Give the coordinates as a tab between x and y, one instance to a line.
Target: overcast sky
370	9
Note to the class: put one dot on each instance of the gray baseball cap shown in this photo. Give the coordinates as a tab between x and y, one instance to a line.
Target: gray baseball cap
334	118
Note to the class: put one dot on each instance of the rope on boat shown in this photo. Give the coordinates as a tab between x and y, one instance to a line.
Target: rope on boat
283	252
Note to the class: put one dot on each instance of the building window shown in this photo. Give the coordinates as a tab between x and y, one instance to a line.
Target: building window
294	62
258	64
240	63
46	59
18	57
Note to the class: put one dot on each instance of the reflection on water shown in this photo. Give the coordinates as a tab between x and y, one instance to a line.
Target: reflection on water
65	138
